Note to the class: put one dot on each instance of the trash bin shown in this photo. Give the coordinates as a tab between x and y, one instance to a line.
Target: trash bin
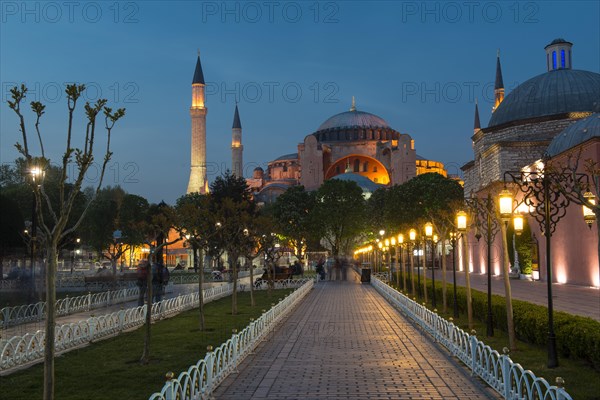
365	275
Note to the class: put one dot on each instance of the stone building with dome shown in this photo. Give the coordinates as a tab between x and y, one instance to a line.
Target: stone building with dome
353	145
544	111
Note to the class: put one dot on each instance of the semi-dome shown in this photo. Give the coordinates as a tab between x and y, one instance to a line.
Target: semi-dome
355	118
575	134
555	92
363	182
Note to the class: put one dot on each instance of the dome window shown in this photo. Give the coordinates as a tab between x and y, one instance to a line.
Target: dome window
554	60
562	59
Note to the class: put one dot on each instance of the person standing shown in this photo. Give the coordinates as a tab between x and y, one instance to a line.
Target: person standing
142	283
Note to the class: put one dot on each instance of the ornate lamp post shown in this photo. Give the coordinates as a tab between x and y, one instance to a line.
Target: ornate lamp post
484	211
453	243
429	235
543	194
402	262
396	263
412	235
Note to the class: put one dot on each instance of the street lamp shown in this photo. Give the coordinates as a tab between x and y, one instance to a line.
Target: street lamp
412	235
393	243
484	211
547	206
429	235
588	214
453	236
402	261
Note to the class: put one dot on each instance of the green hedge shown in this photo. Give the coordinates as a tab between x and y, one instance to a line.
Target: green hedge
576	337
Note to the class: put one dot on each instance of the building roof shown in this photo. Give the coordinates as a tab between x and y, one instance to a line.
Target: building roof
575	134
354	118
198	75
476	123
291	156
236	119
499	83
558	41
363	182
552	93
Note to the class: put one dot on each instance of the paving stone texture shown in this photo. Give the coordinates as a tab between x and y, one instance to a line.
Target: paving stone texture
344	341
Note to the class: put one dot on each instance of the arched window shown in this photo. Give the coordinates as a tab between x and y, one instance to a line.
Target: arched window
357	165
562	59
366	166
554	60
375	169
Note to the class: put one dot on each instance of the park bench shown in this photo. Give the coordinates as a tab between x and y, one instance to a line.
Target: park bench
281	274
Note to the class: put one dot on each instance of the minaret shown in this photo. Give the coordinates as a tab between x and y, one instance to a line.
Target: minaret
198	181
498	85
237	165
477	124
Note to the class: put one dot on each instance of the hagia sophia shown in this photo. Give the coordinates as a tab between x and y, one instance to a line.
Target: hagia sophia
353	145
554	113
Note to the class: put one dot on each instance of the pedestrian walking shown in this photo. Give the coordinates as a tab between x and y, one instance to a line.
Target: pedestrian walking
142	283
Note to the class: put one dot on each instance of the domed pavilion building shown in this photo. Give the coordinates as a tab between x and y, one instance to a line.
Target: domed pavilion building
549	113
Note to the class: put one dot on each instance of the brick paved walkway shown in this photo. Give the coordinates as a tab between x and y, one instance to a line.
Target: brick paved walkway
344	341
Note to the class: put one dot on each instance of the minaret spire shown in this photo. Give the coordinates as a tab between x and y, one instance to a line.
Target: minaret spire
198	180
498	84
198	75
353	107
237	149
477	123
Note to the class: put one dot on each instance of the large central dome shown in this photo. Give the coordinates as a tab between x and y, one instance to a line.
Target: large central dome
351	119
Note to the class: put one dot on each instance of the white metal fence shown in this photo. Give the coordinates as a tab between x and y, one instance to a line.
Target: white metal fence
498	371
199	381
27	348
12	316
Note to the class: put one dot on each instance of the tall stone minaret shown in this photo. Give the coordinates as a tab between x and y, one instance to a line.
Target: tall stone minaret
198	181
498	85
237	165
476	123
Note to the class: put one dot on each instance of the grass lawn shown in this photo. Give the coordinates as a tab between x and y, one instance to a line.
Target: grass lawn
582	382
110	369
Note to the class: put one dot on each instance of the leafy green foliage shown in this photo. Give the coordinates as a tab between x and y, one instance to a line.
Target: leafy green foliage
340	211
294	213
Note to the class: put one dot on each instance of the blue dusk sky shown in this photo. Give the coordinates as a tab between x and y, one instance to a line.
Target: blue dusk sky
290	65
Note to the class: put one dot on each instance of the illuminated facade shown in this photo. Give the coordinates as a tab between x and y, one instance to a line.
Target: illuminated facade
535	114
353	145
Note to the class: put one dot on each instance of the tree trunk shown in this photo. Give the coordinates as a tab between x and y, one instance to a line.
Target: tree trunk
252	303
233	264
468	280
199	262
146	354
444	289
51	265
512	343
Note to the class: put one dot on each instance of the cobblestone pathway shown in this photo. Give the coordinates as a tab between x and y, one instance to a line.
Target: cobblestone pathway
344	341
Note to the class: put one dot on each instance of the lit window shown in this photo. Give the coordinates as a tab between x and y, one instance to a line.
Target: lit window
562	58
554	60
